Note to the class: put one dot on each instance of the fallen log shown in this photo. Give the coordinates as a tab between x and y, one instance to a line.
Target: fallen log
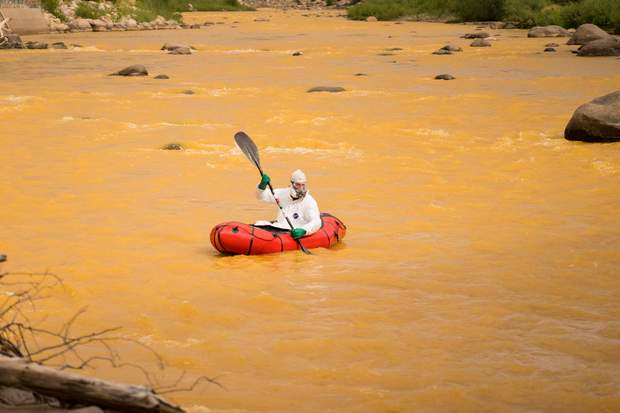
75	389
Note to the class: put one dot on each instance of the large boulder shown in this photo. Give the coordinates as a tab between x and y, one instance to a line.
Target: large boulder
588	33
597	121
548	31
134	70
601	47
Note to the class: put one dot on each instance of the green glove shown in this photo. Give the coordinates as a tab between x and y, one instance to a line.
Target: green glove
264	182
298	233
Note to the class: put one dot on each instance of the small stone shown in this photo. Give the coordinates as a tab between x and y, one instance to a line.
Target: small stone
173	147
550	49
332	89
442	52
360	74
188	92
444	76
298	53
161	77
59	45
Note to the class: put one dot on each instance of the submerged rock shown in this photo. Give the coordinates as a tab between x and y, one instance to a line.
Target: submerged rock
552	45
602	47
332	89
173	147
59	45
476	35
596	121
181	51
444	76
550	49
298	53
587	33
548	31
360	74
133	70
442	52
161	77
188	92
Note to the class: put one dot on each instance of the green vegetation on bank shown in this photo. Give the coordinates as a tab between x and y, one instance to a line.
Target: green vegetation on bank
53	8
146	10
525	13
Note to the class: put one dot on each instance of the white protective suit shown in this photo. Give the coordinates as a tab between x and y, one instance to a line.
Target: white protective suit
303	213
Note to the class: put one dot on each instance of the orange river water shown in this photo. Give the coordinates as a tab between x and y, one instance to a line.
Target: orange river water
481	269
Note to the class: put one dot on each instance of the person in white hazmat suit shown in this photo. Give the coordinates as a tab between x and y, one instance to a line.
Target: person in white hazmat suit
297	204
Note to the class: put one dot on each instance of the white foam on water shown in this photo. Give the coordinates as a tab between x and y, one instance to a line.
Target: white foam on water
16	99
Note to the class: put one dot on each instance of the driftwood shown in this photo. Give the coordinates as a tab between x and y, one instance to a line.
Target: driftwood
74	389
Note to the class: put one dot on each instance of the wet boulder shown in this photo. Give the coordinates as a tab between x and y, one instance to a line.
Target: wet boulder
476	35
331	89
481	43
602	47
588	33
133	70
548	31
597	121
444	76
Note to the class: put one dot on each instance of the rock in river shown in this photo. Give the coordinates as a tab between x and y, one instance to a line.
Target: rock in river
476	35
597	121
588	33
548	31
480	43
444	76
332	89
133	70
602	47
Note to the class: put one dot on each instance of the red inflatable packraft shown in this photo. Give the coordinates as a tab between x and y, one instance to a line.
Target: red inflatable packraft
239	238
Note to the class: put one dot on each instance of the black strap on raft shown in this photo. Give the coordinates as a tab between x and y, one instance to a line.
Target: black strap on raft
251	242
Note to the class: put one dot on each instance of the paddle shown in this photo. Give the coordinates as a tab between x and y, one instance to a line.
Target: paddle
249	149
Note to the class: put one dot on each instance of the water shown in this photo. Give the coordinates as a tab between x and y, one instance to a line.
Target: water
480	268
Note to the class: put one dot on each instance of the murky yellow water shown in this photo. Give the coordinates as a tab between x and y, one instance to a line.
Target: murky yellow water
480	272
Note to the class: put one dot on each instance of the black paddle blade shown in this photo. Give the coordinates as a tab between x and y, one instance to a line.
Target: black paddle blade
248	147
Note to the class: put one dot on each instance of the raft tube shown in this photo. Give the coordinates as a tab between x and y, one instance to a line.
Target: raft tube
239	238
